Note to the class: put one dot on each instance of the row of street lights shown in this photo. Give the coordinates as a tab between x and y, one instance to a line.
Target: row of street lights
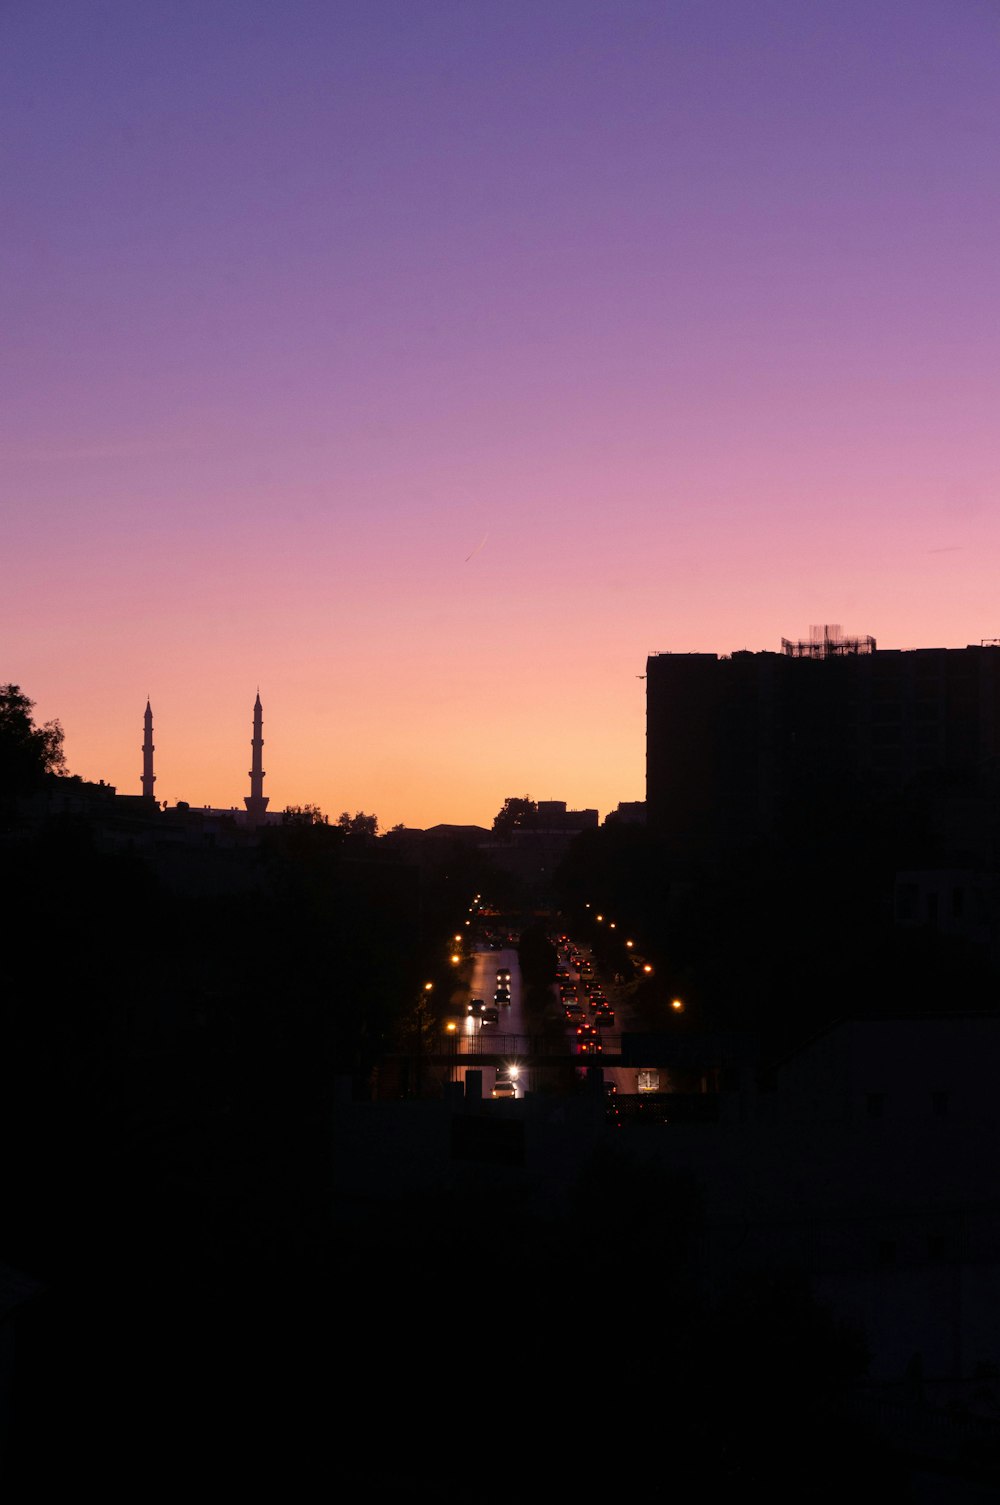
455	956
421	1022
677	1004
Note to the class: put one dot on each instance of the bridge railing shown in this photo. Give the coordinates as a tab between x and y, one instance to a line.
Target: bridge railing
490	1043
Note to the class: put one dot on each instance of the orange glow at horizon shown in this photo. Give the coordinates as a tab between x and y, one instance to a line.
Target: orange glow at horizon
433	421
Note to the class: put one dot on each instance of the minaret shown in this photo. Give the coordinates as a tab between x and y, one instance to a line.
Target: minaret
256	800
148	777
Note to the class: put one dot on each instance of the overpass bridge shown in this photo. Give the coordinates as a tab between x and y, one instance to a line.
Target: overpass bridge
496	1049
488	1047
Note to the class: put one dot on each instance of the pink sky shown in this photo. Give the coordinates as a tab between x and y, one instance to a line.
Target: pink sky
688	309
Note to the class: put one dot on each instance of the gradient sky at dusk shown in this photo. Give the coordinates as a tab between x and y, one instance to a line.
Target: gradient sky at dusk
688	309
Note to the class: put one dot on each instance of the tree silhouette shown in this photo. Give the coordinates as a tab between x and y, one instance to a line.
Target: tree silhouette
27	752
303	815
358	824
516	814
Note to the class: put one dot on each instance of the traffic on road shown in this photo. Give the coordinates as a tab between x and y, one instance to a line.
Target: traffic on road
497	1005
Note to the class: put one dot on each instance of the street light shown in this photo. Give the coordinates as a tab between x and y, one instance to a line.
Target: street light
422	1023
676	1005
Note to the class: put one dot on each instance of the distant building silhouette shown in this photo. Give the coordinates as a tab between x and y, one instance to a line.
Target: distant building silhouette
553	816
532	853
627	813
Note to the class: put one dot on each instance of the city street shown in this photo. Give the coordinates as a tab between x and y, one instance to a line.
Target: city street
514	1022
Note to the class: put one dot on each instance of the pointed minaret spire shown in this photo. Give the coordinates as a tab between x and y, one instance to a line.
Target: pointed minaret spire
256	800
148	777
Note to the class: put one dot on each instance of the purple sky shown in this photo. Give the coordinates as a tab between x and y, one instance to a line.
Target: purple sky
689	310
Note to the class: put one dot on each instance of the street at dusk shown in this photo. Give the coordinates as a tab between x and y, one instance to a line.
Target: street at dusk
500	751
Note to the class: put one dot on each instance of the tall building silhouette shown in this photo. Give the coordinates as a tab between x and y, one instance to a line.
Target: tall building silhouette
738	747
148	777
256	800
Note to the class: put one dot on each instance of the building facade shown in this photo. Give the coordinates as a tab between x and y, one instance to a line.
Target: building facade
738	747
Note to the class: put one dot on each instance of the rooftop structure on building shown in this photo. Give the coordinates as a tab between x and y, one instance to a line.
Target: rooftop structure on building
827	641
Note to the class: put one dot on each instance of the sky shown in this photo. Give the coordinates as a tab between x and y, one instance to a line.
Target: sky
427	364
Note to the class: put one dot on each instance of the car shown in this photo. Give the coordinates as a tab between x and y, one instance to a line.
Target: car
604	1018
502	995
504	1089
573	1013
503	976
591	1045
476	1006
491	1014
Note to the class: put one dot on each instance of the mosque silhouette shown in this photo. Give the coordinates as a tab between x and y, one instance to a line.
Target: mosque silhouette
256	801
